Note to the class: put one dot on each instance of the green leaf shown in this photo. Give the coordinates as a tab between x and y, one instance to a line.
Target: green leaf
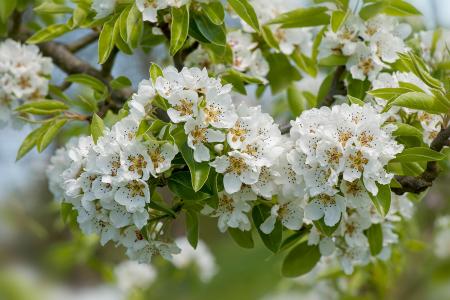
179	28
375	236
417	154
323	228
389	93
199	171
354	100
304	62
401	8
180	184
303	17
120	82
269	37
29	142
371	10
242	238
281	73
358	88
333	60
382	201
300	260
337	18
214	11
192	228
155	72
49	33
6	9
296	100
213	33
407	130
51	8
66	211
50	134
134	27
420	101
89	81
244	10
272	240
43	107
97	127
106	41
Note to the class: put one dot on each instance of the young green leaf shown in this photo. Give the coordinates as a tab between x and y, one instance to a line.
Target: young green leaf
30	141
300	260
215	12
417	154
192	228
134	26
50	134
199	171
375	236
179	28
97	127
420	101
180	184
242	238
382	201
155	72
273	239
106	41
213	33
244	10
120	82
303	17
6	9
48	33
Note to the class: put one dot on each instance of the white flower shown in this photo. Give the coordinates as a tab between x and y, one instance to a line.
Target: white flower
143	250
219	110
326	243
353	227
161	156
131	275
329	207
288	211
24	76
231	212
140	103
184	106
201	256
149	8
238	168
198	136
135	162
355	194
103	8
364	63
133	195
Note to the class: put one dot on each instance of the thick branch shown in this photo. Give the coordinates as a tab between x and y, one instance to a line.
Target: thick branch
83	42
420	183
71	64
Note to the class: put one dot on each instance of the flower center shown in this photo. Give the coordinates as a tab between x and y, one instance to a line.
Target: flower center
184	107
136	188
237	165
358	161
137	164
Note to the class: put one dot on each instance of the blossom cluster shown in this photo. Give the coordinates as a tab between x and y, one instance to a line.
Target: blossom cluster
369	45
431	123
326	168
24	76
108	182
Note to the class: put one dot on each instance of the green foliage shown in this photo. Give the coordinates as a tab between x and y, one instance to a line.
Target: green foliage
418	154
375	236
273	239
97	127
244	10
179	28
300	260
303	17
242	238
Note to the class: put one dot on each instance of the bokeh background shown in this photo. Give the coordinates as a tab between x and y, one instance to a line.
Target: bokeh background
42	258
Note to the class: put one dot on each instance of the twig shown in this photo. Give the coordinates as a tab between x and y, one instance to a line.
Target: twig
109	63
420	183
83	42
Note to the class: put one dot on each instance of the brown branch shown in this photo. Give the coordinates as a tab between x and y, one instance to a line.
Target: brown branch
71	64
418	184
83	42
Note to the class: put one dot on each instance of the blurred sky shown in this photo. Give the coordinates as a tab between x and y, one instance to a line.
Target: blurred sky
14	175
